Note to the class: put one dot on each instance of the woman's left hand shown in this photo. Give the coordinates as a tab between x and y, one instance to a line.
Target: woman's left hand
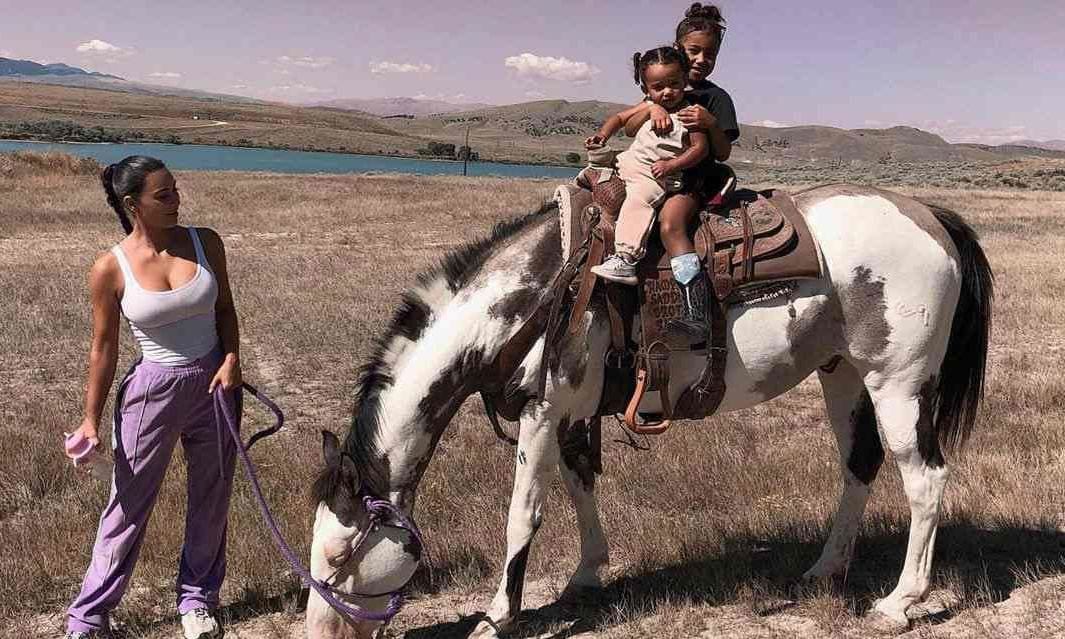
696	117
228	374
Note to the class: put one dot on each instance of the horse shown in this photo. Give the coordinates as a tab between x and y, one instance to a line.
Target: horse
896	329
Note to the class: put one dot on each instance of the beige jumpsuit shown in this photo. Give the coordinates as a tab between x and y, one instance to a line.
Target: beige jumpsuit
643	193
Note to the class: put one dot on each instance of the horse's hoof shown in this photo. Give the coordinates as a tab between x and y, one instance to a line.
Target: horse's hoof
886	621
833	582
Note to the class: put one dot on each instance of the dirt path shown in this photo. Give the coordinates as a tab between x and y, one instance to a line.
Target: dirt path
1036	610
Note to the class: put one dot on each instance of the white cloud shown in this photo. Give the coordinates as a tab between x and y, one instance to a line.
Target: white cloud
102	48
772	124
166	75
305	61
239	86
457	98
536	95
298	88
399	67
563	69
4	53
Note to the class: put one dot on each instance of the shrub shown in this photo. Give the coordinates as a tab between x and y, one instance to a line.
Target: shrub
29	163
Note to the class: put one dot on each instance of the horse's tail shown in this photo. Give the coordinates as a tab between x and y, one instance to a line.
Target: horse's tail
964	367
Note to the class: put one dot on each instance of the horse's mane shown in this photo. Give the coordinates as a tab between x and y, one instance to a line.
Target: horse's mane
455	269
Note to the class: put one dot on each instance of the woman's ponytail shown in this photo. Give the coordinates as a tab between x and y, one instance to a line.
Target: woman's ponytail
112	198
636	67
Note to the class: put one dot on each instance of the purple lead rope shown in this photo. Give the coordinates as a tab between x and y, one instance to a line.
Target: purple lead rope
377	508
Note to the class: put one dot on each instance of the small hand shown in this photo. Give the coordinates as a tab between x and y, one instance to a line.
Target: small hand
228	375
661	168
594	141
661	123
696	118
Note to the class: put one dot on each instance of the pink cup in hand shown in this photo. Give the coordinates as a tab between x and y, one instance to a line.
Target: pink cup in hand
78	447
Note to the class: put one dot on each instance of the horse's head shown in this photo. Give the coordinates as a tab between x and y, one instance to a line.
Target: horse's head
363	548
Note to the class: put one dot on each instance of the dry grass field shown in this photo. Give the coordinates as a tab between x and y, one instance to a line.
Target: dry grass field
710	528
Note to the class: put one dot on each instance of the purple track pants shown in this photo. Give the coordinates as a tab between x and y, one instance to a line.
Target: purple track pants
155	407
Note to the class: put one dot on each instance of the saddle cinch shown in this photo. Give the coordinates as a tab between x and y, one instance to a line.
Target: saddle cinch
752	245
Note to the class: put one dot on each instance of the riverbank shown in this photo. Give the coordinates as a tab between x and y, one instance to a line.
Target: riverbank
225	158
285	147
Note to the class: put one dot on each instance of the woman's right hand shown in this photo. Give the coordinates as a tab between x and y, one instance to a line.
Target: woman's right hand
594	141
661	123
88	430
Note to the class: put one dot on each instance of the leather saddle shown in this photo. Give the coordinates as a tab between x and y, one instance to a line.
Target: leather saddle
742	237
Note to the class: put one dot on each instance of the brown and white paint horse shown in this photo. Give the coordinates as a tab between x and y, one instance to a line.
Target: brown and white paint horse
897	330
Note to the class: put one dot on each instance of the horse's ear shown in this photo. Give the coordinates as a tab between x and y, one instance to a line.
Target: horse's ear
330	449
347	469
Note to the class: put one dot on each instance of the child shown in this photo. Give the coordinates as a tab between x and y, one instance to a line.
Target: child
662	74
699	35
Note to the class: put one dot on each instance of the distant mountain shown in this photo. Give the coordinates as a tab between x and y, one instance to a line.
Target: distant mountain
540	118
66	75
812	143
9	67
555	119
1049	145
388	107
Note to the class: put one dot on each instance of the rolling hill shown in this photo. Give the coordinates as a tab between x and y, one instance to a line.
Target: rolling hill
544	131
390	107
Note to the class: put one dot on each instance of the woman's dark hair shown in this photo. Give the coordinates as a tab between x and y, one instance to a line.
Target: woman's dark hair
702	17
661	55
127	178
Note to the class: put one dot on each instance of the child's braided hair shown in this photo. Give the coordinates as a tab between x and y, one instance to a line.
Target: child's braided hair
661	55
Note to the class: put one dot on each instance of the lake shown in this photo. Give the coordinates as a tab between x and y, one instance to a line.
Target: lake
193	157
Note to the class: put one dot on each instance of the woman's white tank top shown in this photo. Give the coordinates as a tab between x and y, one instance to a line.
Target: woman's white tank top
177	326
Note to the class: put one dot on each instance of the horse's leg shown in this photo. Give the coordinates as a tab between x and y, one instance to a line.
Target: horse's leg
850	411
537	456
579	477
905	415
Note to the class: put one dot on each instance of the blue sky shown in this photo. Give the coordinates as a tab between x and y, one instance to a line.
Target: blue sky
970	70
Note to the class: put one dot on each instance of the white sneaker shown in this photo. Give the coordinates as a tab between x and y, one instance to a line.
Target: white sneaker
95	634
199	623
617	269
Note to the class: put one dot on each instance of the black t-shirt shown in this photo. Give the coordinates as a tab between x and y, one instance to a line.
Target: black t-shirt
718	102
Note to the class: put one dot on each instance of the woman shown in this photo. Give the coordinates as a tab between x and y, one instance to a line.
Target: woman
170	283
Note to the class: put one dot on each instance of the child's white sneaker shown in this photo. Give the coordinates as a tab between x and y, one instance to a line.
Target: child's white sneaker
617	269
199	623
